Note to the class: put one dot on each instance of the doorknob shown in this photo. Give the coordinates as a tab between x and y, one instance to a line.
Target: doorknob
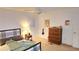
74	32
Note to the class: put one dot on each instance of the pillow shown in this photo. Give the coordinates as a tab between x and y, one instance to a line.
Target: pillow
17	38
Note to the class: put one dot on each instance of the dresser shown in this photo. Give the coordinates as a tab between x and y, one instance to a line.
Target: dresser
55	35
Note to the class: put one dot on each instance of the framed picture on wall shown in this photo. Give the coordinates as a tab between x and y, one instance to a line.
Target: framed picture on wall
67	22
47	23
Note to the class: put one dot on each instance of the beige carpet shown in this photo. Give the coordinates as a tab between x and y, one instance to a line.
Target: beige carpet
46	46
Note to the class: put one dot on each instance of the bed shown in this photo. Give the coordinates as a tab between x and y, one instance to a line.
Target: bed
11	40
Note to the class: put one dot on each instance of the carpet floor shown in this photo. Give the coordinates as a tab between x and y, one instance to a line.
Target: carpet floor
46	46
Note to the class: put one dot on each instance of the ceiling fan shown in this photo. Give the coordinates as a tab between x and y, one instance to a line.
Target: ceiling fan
36	11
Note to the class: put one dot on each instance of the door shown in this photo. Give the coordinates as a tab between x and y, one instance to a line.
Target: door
76	32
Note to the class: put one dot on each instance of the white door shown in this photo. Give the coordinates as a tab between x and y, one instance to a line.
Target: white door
76	32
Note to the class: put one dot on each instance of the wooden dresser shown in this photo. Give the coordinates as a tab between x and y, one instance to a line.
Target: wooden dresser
55	35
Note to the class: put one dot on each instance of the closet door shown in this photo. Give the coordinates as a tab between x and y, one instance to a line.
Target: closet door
76	32
67	35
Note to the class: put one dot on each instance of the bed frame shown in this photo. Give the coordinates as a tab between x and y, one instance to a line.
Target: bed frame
4	33
13	33
11	30
33	46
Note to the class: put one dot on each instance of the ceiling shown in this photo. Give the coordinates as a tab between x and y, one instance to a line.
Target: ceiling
38	10
23	9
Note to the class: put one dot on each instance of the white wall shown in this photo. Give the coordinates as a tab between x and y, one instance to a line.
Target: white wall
12	19
57	17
